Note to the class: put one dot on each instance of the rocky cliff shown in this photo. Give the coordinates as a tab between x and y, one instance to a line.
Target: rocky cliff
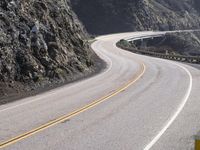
109	16
41	43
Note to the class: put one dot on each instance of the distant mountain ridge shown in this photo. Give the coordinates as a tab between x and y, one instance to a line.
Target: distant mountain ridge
110	16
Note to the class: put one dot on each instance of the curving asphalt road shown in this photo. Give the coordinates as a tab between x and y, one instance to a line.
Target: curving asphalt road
136	103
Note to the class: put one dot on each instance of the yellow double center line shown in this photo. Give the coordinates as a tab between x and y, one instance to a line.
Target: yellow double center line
74	113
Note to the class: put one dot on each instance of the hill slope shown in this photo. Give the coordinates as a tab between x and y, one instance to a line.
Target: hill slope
41	43
109	16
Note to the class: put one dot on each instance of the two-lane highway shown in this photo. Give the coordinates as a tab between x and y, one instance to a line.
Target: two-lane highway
136	103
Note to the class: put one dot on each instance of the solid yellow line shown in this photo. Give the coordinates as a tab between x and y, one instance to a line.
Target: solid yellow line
74	113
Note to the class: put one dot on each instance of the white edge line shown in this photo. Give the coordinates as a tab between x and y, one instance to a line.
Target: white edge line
179	109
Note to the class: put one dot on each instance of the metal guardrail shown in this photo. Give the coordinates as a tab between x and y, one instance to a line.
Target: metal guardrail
144	37
189	59
181	58
160	34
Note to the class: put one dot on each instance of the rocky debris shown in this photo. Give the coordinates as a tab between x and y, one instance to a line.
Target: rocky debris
109	16
41	43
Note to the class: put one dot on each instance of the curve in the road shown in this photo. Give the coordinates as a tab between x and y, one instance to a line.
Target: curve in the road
74	113
151	98
178	111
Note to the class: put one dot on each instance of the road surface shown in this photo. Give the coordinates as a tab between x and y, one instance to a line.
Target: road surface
136	103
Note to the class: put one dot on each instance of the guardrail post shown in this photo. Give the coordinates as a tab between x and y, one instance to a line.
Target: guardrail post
197	142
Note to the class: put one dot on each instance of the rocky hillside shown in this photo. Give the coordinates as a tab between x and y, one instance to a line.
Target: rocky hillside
41	43
186	44
109	16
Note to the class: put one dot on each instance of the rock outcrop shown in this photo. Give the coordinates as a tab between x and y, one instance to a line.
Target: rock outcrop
110	16
41	43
